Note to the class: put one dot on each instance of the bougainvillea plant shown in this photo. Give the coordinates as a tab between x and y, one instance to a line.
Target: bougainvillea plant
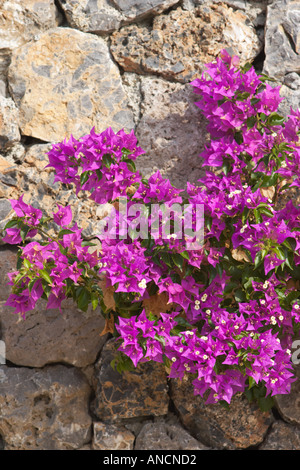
223	312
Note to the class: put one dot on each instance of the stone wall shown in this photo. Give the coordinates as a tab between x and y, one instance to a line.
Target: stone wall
69	65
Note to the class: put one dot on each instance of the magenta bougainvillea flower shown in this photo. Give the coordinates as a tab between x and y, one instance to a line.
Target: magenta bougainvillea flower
224	313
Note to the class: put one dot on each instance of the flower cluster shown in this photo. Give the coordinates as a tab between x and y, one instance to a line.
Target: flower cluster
102	164
53	268
224	313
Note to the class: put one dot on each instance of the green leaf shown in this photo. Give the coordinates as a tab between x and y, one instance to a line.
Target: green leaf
31	284
225	166
84	177
289	243
182	322
63	250
242	96
27	263
99	174
12	223
229	287
87	243
257	216
64	231
94	300
251	121
107	160
185	254
275	119
19	260
131	165
239	295
24	231
252	382
260	257
178	260
280	253
266	403
245	68
266	211
265	78
166	259
45	276
262	116
84	299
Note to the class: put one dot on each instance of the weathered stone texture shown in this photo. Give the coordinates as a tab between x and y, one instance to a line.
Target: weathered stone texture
282	39
105	16
50	336
36	183
9	123
21	21
136	8
65	83
164	435
282	436
138	393
47	336
289	405
112	437
243	426
168	109
181	43
97	16
44	409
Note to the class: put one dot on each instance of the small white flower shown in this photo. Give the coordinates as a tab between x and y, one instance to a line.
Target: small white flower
197	302
142	284
205	357
204	297
273	320
190	333
173	359
248	200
